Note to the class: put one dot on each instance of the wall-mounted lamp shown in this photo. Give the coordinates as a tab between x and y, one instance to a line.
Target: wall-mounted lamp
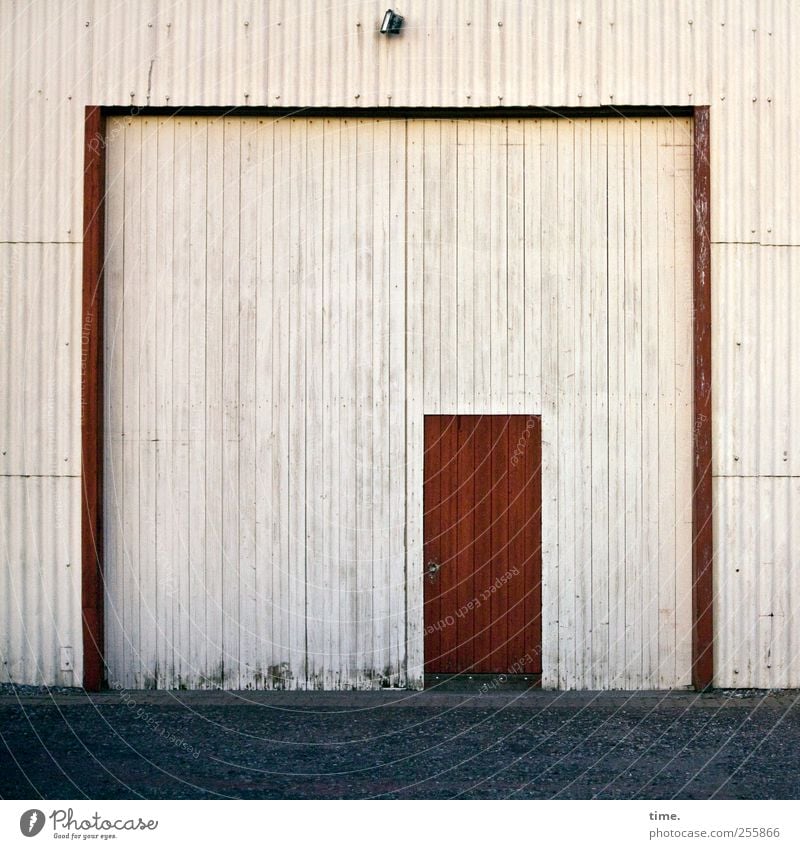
391	23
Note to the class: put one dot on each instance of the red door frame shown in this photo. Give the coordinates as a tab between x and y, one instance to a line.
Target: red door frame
92	585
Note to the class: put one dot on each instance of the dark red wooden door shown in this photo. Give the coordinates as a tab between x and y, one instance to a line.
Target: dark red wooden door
483	566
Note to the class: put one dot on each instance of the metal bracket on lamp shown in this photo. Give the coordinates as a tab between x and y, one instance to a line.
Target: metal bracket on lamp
391	23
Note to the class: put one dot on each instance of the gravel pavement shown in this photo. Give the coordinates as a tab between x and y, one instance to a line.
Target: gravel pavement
65	744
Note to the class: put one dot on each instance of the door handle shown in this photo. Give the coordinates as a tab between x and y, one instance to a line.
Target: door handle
432	568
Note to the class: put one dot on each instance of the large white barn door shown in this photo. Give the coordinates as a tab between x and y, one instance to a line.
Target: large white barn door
555	278
286	301
254	355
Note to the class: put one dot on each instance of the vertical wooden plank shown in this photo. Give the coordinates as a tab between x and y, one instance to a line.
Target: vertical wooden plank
248	433
231	381
521	515
282	672
132	291
182	233
347	294
533	547
432	337
600	473
331	333
92	439
446	578
498	268
668	288
650	251
703	550
165	495
465	278
498	588
148	577
296	466
565	333
379	414
94	218
686	415
448	270
531	239
465	544
433	539
515	251
582	400
483	259
551	430
198	164
397	399
213	673
363	448
414	403
267	520
315	355
259	217
482	545
113	460
616	403
533	264
634	587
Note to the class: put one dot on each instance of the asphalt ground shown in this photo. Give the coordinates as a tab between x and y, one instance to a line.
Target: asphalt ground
66	744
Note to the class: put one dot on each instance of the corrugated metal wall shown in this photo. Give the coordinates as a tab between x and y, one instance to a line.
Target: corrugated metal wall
737	57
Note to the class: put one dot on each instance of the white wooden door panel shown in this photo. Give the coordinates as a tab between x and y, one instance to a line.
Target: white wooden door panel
287	299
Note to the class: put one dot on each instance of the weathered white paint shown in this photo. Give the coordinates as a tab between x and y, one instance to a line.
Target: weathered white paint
737	59
300	577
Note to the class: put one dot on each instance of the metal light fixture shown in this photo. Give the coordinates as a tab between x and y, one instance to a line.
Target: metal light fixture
391	23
